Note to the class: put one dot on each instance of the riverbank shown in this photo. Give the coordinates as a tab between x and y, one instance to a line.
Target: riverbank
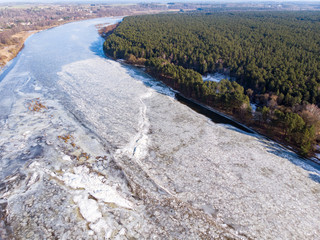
9	52
213	114
14	38
220	116
285	109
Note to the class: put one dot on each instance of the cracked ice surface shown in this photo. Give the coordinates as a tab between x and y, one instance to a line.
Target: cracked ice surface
112	155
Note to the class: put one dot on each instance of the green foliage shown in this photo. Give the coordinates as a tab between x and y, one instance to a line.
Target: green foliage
267	51
265	113
274	56
299	132
293	124
224	94
306	139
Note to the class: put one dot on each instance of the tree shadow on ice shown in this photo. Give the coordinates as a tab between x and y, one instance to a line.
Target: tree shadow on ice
272	147
233	128
214	115
315	177
160	87
97	47
281	151
148	81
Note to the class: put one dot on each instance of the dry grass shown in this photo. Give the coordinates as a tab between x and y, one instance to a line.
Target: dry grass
9	52
66	139
36	105
69	139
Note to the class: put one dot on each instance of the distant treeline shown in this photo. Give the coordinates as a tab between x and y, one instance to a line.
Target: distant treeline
274	57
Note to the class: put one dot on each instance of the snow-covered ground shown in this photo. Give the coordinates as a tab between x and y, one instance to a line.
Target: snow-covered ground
215	77
93	149
253	106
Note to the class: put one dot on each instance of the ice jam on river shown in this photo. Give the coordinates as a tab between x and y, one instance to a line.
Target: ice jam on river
93	149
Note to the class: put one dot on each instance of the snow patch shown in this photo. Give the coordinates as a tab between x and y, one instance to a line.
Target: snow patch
89	208
216	77
66	158
95	185
102	227
253	107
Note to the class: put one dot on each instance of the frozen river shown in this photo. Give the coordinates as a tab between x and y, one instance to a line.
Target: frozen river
93	149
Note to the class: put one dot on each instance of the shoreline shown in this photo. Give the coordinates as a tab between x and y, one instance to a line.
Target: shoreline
238	125
208	111
283	110
9	52
228	118
19	46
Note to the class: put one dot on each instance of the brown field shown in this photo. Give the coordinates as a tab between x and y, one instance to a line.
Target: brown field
16	26
9	52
